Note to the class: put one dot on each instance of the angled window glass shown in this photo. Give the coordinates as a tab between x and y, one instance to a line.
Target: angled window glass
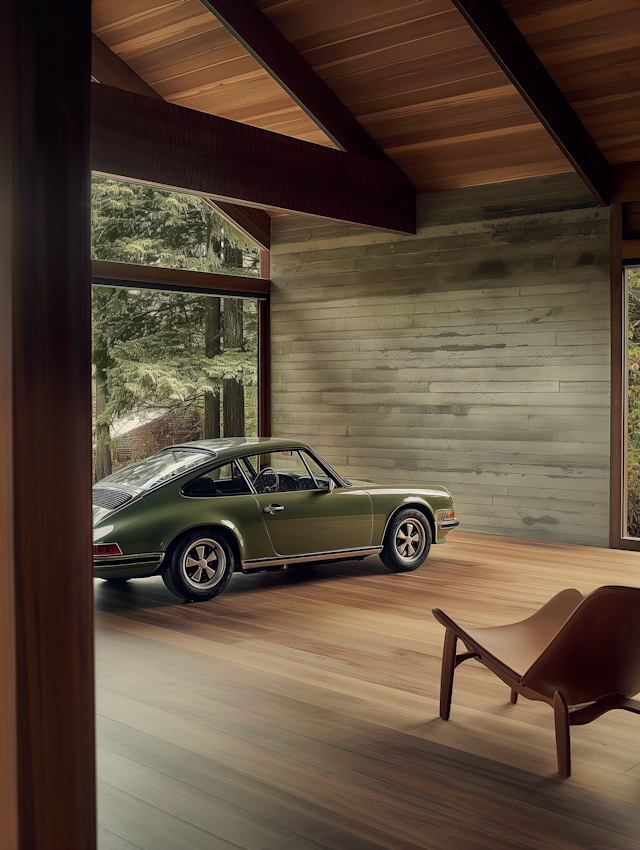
134	223
155	470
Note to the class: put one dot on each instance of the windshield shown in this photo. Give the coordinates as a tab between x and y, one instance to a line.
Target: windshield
154	470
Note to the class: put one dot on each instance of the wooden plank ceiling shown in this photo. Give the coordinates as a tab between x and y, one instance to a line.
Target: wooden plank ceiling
411	71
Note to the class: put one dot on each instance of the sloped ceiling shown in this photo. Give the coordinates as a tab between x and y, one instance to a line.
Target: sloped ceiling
412	72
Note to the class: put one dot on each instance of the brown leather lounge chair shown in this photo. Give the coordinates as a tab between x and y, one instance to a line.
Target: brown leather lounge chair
579	654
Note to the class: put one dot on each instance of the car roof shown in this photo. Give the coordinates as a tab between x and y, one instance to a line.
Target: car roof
230	447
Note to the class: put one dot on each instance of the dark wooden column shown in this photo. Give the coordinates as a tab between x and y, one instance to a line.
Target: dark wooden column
618	484
47	770
264	354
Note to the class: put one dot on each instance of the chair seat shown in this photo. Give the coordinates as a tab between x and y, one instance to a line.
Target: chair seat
519	644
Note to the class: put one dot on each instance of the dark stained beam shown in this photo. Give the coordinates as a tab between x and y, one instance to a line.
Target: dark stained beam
110	70
254	223
46	584
625	182
159	143
264	41
495	28
108	272
264	355
617	482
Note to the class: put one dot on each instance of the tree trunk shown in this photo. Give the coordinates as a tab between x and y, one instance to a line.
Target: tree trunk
233	389
103	437
211	428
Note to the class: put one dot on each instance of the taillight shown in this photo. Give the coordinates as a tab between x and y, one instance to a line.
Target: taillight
449	515
106	549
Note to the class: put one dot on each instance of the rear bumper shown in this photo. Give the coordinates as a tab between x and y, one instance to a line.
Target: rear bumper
122	566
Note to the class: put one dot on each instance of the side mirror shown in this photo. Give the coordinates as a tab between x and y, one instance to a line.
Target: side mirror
331	486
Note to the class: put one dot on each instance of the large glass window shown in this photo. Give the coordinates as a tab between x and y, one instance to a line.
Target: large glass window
632	477
134	223
168	367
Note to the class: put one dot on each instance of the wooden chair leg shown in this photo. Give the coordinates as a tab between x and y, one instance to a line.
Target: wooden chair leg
514	696
446	678
563	741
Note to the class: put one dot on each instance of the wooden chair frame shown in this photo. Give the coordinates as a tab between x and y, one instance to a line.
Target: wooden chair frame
565	716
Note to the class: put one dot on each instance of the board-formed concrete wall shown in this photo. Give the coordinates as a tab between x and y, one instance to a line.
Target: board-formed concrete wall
474	354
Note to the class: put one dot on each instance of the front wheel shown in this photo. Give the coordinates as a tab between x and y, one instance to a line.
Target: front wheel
200	566
407	541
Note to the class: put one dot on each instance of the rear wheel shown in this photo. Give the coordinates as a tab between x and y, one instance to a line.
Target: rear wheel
200	566
407	541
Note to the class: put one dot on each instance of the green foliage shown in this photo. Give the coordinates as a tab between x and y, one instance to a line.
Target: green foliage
133	223
149	346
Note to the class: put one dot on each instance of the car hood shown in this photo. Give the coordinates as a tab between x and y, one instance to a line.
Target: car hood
371	487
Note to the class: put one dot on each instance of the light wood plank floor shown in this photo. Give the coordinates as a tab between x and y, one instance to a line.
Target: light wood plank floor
299	711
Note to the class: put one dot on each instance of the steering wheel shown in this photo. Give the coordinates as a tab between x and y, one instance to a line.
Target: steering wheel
266	488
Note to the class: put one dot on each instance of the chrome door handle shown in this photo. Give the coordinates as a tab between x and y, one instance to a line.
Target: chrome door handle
272	509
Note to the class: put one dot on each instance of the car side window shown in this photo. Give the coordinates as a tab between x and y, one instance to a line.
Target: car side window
224	480
320	476
279	472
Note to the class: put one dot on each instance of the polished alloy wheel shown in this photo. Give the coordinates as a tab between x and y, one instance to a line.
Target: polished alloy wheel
410	540
203	564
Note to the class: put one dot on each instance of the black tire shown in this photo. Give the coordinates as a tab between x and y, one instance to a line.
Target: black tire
407	541
212	565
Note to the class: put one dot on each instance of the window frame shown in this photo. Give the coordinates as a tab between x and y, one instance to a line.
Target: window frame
623	255
110	273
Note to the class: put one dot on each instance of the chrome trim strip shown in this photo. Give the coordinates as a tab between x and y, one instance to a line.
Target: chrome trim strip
183	448
302	559
154	558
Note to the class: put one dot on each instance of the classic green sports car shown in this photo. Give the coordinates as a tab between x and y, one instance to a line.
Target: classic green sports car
198	512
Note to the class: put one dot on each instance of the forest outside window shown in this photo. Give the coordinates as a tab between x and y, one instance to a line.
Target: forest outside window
168	366
631	516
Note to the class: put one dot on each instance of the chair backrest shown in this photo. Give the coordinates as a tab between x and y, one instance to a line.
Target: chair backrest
596	653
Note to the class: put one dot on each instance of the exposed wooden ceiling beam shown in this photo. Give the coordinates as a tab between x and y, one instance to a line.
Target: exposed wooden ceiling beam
254	223
153	141
264	41
110	70
625	182
495	28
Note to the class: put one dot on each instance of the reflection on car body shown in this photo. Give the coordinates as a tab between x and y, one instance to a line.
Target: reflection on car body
198	512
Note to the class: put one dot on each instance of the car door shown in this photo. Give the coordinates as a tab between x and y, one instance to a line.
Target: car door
302	514
223	496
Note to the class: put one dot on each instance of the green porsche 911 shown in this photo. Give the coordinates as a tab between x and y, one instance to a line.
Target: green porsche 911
198	512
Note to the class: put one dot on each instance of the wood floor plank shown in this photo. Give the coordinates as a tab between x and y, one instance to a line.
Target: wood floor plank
299	711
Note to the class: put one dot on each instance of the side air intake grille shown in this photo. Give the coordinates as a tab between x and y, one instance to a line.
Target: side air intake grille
111	499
